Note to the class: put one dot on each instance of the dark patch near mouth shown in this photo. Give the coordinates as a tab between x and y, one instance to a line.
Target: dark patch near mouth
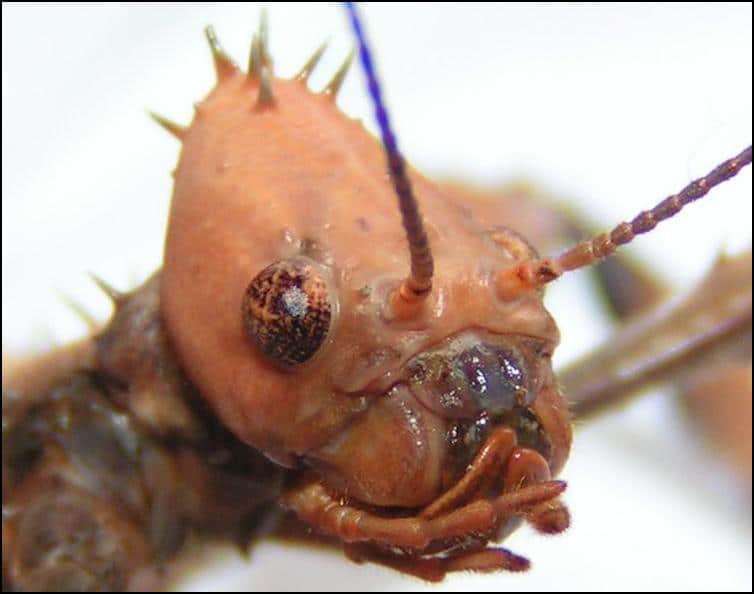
464	439
529	431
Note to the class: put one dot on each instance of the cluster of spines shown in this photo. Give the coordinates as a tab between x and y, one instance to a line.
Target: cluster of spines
524	277
259	71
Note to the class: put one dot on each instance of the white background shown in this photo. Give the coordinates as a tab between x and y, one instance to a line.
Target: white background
611	107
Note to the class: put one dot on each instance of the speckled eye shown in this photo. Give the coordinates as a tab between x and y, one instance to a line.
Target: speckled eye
286	311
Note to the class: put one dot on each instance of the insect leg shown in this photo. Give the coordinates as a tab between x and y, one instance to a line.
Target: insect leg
525	467
315	505
668	342
496	449
528	467
433	569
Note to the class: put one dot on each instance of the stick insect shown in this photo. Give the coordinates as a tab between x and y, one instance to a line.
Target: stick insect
587	103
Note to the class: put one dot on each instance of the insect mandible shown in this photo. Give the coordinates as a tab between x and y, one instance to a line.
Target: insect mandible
474	123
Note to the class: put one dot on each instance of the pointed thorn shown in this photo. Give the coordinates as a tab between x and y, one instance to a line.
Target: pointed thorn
334	85
311	63
91	322
264	39
255	59
265	98
224	66
259	55
114	295
175	129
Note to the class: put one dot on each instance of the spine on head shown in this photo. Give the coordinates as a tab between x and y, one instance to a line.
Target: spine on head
419	283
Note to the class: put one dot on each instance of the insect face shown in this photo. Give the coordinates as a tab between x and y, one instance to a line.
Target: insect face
372	410
593	99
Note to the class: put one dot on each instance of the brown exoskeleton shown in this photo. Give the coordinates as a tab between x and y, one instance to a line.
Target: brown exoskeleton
625	213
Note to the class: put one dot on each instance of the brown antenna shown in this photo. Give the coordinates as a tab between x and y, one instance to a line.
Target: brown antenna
418	285
531	275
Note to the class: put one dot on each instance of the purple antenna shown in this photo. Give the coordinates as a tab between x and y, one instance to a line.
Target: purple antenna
419	283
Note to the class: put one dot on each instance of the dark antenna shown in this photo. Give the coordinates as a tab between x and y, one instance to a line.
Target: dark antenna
533	274
419	282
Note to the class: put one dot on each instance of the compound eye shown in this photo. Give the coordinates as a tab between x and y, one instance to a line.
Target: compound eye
287	311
